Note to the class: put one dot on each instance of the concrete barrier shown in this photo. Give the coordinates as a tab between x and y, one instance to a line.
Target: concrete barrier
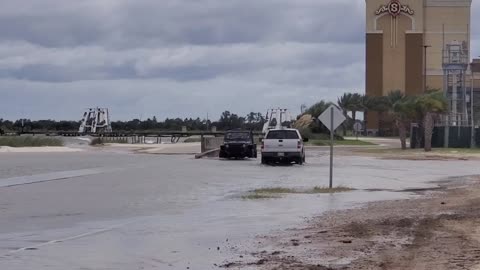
211	143
210	153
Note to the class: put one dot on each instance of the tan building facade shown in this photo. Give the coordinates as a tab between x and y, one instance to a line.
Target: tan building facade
401	35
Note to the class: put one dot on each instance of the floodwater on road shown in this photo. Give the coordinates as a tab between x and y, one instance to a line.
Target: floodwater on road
101	210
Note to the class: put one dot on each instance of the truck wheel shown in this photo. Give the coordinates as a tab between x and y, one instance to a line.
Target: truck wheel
264	160
300	161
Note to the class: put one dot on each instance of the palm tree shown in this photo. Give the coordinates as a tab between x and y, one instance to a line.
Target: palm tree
318	108
394	96
356	105
345	103
315	111
430	105
367	105
418	118
404	111
381	105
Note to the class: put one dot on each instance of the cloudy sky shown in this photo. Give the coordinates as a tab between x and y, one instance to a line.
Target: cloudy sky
182	58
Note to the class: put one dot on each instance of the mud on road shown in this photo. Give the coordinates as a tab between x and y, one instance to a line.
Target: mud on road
437	231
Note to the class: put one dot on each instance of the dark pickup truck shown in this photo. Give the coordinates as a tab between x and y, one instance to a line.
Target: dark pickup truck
238	144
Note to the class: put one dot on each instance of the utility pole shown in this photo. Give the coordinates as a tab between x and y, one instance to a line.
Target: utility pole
425	47
208	126
474	67
472	128
303	108
332	139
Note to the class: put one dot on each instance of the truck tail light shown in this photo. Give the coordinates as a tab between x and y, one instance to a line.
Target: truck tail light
263	145
299	144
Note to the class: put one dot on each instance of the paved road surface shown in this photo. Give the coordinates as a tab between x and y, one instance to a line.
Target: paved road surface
102	210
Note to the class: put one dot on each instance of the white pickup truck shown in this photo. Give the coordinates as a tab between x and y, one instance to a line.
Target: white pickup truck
283	145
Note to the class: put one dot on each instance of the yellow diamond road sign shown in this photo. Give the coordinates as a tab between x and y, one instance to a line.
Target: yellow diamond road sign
338	117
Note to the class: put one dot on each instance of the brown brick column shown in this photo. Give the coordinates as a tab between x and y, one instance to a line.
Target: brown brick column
414	64
374	73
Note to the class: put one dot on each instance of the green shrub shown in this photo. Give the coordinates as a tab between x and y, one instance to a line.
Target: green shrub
308	133
96	141
29	141
340	142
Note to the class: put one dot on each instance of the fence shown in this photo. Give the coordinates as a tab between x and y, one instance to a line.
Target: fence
458	137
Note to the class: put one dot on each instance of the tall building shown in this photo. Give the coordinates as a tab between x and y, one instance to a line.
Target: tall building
403	35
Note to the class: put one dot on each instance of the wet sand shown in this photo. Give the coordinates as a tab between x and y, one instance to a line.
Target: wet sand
437	231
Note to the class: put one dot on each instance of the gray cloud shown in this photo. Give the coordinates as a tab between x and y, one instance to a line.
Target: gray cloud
147	23
134	98
182	63
178	57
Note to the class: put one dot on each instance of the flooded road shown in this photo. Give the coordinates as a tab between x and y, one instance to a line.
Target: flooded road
101	210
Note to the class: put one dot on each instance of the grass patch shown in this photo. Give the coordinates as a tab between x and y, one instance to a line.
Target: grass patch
307	133
29	141
96	141
341	142
410	151
457	150
274	190
277	192
388	151
336	189
255	196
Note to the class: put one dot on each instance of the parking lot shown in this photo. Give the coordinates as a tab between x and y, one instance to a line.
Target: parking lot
113	209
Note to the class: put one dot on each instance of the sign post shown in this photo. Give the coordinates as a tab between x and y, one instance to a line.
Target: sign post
332	118
357	127
332	140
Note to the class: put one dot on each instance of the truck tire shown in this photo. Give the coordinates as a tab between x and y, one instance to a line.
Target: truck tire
264	160
300	161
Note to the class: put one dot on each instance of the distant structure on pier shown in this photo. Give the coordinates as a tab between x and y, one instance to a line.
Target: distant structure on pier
95	120
277	119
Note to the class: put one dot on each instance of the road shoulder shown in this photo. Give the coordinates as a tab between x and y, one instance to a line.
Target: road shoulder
437	231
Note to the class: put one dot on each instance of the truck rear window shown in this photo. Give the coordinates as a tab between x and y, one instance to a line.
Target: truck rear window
282	134
237	136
